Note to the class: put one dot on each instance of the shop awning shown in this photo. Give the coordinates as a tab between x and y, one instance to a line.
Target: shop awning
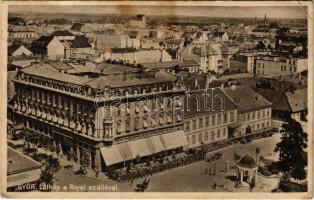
111	155
118	153
174	139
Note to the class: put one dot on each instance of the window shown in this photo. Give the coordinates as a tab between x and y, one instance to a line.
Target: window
232	116
257	126
258	114
169	120
145	124
136	123
119	127
161	119
207	121
263	125
218	119
194	124
218	133
268	113
263	113
253	115
212	135
178	117
224	132
200	138
225	117
248	116
193	139
188	125
205	136
213	120
200	122
127	124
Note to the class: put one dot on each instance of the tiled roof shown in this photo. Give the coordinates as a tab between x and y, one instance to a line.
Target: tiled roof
80	42
116	81
247	99
62	33
42	42
77	27
189	63
13	48
59	65
247	162
297	100
161	65
19	162
109	68
204	101
47	71
123	50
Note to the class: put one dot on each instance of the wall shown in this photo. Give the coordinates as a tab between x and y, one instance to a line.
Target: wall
55	50
207	128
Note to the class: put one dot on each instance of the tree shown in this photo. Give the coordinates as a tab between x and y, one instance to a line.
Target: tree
292	155
85	160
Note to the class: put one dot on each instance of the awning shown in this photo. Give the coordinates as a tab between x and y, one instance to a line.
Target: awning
111	155
118	153
174	139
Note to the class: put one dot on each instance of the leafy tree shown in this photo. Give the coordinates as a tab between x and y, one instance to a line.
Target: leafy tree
47	177
292	155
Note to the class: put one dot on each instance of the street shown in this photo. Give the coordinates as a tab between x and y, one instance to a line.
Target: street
191	178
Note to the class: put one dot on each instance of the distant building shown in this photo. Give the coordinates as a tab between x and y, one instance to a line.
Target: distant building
21	34
48	47
139	22
254	111
63	35
287	103
104	42
208	116
79	45
136	56
219	36
19	50
269	66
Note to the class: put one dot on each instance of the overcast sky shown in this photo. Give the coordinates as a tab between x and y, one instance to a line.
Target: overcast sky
272	12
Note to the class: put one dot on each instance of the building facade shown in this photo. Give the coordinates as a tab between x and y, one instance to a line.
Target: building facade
101	119
254	111
279	66
208	115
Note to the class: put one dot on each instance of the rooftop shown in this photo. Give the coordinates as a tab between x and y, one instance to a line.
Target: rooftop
47	71
207	101
116	81
247	162
247	99
19	162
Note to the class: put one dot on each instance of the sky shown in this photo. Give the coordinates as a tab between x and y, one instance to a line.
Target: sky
296	12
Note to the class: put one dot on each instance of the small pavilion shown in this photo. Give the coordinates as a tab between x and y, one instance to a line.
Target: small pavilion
247	169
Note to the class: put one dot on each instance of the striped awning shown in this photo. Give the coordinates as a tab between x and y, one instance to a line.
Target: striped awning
118	153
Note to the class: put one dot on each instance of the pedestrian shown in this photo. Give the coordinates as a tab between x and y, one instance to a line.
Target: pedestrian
131	182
